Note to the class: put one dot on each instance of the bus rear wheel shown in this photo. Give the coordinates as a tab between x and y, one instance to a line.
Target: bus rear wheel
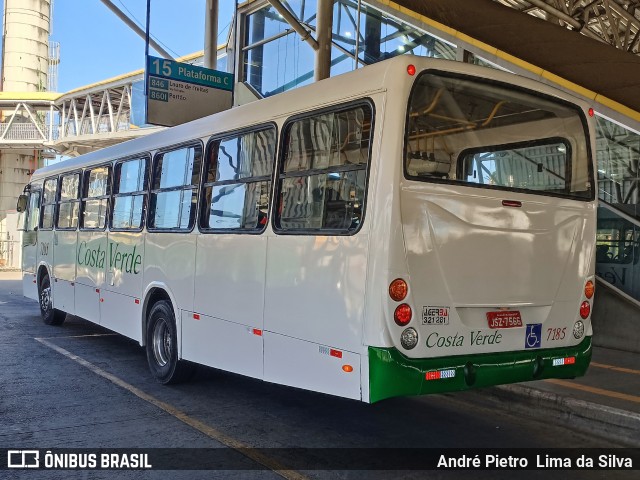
162	346
50	315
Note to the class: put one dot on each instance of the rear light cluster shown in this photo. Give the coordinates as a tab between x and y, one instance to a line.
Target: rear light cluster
440	374
398	290
585	309
557	362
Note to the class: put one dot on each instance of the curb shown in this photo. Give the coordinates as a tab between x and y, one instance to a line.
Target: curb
619	426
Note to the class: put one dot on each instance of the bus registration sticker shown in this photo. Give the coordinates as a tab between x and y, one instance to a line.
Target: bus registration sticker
435	315
504	319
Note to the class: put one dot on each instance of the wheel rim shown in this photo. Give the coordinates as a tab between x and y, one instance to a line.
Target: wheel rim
161	342
45	299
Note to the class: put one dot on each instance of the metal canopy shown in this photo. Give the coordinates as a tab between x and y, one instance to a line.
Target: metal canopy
588	63
616	22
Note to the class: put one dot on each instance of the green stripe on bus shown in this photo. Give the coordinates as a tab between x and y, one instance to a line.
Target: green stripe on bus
391	374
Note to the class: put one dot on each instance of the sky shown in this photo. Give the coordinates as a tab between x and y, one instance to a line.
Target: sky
95	44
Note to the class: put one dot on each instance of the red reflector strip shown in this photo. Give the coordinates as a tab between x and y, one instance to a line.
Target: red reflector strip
440	374
257	332
563	361
335	353
511	203
137	300
196	316
432	375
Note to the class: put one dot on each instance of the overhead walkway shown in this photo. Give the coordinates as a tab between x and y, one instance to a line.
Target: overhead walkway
81	120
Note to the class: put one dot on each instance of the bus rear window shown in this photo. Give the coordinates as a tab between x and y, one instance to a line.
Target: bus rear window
540	166
473	132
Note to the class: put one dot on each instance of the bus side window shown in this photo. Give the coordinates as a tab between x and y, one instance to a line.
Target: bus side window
324	169
69	203
31	217
48	208
95	198
129	194
174	189
237	182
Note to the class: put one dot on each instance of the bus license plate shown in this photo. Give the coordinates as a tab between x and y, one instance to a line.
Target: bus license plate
504	319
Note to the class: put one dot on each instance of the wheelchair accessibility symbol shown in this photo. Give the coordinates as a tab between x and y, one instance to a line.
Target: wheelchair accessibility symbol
533	335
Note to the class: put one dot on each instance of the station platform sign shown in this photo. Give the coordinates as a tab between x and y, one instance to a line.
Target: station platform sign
179	92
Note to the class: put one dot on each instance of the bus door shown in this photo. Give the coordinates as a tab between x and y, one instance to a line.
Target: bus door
65	239
91	256
45	227
30	246
120	297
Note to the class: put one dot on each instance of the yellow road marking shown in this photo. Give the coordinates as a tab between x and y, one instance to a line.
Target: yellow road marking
613	367
202	427
597	391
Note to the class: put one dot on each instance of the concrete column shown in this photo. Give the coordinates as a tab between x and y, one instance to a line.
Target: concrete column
211	34
324	22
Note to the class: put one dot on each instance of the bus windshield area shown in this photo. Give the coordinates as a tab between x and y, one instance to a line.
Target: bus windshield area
474	132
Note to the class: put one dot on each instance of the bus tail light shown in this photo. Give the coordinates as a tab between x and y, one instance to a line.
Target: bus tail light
402	315
585	309
589	289
398	289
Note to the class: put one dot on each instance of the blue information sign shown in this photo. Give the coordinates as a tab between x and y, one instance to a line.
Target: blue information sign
183	72
178	92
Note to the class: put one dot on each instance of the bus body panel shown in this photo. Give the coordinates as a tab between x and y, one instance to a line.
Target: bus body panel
474	257
222	344
64	269
315	288
230	277
297	363
46	254
169	258
123	283
87	302
91	265
30	285
121	313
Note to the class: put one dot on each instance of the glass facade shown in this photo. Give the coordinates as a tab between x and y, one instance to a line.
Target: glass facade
618	154
275	59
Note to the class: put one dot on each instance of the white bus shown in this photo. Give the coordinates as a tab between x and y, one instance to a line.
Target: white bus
412	227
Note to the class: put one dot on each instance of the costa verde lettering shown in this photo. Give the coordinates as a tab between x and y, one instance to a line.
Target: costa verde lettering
119	259
477	338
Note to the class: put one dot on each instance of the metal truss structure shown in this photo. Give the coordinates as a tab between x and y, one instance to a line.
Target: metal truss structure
73	123
616	22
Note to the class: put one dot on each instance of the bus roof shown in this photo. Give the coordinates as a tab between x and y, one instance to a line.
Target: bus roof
332	90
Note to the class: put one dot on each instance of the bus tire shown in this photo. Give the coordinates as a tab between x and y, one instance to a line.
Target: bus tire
162	346
50	315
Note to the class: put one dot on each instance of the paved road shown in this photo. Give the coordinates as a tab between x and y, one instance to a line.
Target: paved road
84	387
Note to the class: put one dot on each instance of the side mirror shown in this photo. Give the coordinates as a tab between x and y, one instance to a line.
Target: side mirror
22	203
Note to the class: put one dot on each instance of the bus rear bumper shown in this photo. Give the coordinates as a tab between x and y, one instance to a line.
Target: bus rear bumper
391	374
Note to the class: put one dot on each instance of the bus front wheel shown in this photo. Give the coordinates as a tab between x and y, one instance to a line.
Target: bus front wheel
50	315
162	346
